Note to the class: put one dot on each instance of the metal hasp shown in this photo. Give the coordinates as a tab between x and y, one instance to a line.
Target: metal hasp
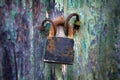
60	49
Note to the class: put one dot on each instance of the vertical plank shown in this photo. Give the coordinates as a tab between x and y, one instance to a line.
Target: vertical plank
39	10
55	8
59	70
6	41
90	51
1	25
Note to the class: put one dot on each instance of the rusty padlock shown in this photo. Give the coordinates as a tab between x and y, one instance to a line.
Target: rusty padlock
59	49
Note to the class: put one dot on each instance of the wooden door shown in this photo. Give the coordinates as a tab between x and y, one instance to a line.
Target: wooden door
96	44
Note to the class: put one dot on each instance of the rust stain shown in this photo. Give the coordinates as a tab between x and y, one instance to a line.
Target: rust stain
51	47
68	54
59	21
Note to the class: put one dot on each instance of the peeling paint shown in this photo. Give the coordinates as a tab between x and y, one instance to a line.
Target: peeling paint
97	44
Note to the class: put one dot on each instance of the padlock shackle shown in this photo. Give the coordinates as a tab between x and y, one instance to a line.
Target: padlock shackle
44	21
69	17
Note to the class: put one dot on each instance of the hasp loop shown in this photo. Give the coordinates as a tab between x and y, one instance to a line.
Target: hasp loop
53	25
76	23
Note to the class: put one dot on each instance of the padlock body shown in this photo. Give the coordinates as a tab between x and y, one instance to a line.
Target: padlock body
59	50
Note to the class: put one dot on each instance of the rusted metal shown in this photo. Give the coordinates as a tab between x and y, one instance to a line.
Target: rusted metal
59	49
76	23
43	22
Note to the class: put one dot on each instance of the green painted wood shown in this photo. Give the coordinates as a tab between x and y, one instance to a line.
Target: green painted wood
92	45
97	44
55	70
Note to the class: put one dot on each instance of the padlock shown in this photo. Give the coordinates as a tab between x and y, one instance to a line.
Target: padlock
60	49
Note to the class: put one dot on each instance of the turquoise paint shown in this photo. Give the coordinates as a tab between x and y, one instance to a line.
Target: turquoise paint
23	4
95	47
59	5
16	2
1	3
92	25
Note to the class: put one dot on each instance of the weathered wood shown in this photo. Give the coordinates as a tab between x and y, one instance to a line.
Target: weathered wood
97	44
